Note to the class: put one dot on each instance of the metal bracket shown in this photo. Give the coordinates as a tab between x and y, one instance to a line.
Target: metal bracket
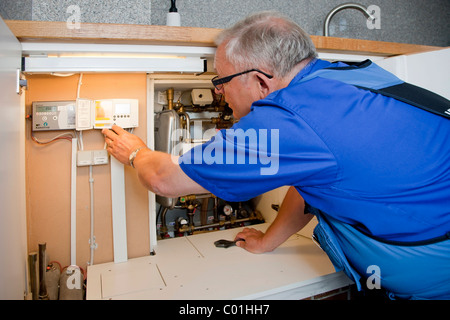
20	82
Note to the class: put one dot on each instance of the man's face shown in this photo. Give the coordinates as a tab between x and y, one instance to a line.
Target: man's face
238	94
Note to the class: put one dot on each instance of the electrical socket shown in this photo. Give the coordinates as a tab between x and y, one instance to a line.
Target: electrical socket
92	157
84	158
100	156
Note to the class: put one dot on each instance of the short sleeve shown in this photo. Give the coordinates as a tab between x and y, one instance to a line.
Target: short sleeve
268	148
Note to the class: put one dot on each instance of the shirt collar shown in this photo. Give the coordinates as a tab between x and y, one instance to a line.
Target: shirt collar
314	65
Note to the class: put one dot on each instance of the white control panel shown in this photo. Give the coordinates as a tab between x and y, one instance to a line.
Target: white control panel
99	114
85	114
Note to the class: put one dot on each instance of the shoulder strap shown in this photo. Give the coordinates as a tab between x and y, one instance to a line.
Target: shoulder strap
369	76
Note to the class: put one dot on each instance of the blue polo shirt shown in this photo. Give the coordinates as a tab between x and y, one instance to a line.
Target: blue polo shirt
376	163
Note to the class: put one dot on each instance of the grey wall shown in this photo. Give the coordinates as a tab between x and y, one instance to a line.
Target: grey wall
406	21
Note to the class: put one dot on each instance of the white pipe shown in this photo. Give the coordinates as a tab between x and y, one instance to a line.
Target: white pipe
151	144
93	245
73	205
118	206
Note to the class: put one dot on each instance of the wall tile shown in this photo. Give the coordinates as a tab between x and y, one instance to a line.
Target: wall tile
110	11
15	9
407	21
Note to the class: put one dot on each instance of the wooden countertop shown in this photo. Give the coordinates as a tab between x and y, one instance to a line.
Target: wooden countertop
186	36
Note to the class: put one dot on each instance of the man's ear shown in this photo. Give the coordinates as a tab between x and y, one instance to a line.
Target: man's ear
265	85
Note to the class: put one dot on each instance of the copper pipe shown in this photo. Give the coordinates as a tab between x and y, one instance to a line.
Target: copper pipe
170	98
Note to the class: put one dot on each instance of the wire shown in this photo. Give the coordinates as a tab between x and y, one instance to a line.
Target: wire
59	264
80	146
63	136
62	74
79	85
80	140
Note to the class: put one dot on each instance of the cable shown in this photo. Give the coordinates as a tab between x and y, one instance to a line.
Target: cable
62	74
79	85
79	142
59	264
80	139
64	136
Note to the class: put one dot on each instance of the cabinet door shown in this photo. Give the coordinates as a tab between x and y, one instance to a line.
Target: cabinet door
429	70
13	251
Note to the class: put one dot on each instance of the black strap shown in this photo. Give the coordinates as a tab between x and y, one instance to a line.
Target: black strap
418	97
406	92
438	239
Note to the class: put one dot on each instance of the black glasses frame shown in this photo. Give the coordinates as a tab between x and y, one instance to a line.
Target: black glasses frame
219	82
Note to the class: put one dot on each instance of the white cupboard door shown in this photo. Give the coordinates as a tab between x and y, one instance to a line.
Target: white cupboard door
429	70
13	250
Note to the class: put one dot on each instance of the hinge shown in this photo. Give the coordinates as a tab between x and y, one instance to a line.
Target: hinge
20	82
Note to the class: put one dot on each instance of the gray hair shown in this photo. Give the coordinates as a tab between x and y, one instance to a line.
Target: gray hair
267	40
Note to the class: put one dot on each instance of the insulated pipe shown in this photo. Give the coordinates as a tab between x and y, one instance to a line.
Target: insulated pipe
32	263
42	269
342	7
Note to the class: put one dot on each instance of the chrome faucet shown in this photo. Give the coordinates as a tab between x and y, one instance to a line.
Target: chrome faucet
342	7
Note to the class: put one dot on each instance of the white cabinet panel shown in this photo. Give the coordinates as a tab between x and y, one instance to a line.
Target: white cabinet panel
12	171
430	70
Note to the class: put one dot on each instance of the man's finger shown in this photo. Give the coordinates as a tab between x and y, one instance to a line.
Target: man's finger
240	242
108	133
118	130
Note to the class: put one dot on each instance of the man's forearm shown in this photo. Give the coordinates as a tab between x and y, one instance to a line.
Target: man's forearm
289	220
160	173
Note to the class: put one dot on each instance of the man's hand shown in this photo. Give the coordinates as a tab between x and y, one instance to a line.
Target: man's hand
253	240
120	143
290	219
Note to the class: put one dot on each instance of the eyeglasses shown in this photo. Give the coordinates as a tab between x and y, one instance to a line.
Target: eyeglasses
219	82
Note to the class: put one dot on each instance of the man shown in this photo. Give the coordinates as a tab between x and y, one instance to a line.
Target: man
375	170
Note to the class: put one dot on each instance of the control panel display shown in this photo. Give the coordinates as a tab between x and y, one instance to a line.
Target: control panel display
54	115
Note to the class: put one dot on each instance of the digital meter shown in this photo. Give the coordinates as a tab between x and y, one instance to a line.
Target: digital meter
54	115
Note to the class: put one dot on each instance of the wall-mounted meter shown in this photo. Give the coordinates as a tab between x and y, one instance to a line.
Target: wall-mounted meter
99	114
84	114
122	112
54	115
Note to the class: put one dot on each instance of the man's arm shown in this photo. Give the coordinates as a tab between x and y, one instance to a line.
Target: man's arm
290	219
159	172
